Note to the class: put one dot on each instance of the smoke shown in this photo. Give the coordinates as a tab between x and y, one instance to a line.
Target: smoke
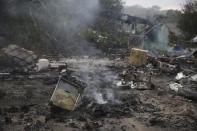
64	21
158	39
146	13
101	81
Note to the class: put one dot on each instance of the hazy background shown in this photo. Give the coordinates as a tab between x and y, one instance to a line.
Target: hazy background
164	4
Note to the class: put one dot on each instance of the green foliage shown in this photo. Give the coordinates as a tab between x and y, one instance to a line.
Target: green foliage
24	32
114	6
110	11
105	40
106	31
172	38
23	29
188	19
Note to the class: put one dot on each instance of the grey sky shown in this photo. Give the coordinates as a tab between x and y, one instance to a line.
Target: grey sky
164	4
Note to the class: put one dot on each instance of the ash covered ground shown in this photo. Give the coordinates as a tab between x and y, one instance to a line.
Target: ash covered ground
143	76
104	107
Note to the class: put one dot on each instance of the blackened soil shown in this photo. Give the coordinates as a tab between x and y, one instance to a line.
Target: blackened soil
25	106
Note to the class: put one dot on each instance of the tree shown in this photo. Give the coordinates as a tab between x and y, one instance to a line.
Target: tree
110	11
188	19
107	25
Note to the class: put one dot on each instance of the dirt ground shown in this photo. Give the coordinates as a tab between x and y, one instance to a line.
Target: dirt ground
24	106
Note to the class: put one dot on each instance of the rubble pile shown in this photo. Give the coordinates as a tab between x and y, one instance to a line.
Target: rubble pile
177	67
20	57
87	93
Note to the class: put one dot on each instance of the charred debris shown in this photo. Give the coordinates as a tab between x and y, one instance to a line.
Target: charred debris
148	85
91	89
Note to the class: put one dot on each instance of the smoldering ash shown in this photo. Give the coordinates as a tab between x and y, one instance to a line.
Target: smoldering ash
101	81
